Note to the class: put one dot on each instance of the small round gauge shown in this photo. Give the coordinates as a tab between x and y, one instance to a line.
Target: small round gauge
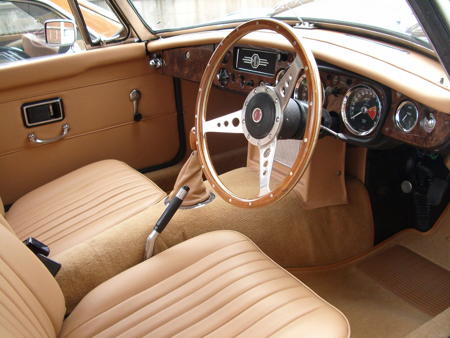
361	110
279	75
301	89
406	116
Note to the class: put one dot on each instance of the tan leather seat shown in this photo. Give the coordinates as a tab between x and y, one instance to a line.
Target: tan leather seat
81	204
218	284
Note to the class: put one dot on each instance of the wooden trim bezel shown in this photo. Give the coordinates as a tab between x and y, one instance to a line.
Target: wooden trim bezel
312	125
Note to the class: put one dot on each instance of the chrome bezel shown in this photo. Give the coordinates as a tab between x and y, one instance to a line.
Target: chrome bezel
49	103
344	110
398	122
273	133
297	87
211	198
279	75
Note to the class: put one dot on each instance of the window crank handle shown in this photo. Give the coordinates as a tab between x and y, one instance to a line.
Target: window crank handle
135	96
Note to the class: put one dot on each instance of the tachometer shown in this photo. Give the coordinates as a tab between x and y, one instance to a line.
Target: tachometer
361	110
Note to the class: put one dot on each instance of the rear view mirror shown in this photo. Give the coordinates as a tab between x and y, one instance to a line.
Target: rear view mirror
59	33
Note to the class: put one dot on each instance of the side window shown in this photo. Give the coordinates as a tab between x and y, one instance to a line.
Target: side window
22	29
22	34
102	22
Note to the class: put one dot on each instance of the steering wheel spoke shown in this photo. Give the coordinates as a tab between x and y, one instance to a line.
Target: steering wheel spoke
230	124
286	85
266	158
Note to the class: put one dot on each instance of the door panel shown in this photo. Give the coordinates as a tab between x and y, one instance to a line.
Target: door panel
94	87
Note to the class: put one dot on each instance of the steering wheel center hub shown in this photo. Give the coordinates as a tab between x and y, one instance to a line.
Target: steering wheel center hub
257	115
261	116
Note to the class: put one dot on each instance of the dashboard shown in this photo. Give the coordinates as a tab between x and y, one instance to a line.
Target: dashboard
365	111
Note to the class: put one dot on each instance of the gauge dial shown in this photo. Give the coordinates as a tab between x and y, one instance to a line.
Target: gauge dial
406	116
361	110
301	89
279	75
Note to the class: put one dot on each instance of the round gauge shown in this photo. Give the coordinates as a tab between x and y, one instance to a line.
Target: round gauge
361	110
279	76
406	116
301	89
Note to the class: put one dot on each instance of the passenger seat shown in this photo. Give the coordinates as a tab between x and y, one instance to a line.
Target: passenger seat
82	204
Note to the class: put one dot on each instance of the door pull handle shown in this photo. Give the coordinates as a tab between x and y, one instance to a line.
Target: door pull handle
64	131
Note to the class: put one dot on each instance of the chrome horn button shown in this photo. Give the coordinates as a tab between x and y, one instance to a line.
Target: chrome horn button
261	116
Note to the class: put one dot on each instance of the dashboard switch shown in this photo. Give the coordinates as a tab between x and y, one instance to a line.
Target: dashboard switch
223	77
428	123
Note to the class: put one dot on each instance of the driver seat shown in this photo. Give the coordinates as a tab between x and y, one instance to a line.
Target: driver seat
217	284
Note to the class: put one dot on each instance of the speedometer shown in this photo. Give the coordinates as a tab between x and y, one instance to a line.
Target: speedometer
361	110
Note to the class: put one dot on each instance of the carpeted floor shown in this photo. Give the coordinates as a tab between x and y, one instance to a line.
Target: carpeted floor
394	290
289	234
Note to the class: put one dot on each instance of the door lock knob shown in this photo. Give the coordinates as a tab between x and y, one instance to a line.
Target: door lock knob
135	96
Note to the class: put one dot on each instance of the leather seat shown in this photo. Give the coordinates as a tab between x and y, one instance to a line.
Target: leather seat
217	284
82	204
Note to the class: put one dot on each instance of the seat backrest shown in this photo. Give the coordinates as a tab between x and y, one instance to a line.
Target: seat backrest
32	303
5	223
3	220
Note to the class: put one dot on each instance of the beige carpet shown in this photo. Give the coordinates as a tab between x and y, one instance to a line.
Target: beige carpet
378	306
290	235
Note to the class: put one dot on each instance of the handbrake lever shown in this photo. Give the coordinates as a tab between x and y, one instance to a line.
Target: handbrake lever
165	218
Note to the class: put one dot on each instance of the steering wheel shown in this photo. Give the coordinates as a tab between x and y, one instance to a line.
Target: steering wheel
268	114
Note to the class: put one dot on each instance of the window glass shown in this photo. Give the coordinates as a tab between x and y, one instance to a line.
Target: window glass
102	22
19	18
393	17
22	34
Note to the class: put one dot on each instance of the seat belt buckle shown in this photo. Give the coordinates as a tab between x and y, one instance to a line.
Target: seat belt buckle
42	251
36	246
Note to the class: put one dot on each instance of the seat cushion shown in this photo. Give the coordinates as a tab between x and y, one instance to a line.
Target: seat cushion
81	204
217	284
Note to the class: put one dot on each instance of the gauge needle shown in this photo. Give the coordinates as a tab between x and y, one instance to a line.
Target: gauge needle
361	112
404	117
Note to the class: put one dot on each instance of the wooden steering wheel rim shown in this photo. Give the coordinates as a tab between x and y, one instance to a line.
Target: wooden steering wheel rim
312	128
